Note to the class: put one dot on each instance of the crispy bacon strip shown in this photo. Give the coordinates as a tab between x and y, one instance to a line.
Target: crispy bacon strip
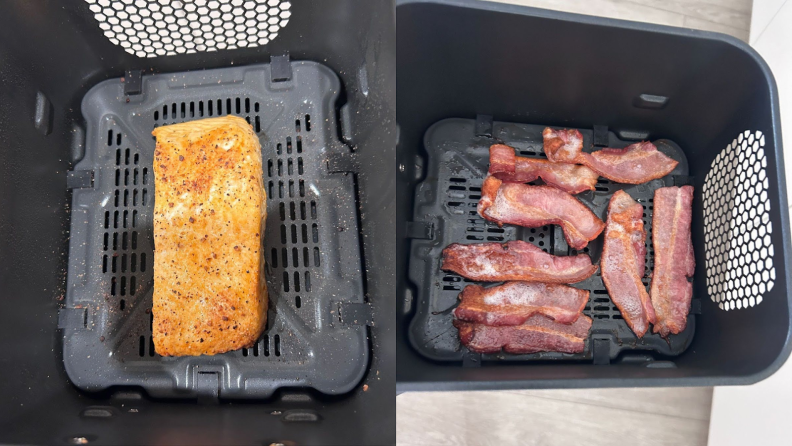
674	261
503	160
537	334
571	178
514	302
623	262
535	206
515	260
634	164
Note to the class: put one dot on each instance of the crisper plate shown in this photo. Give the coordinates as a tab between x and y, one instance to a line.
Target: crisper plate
311	244
458	160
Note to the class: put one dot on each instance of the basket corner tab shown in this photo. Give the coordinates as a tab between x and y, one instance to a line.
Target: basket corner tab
353	313
72	318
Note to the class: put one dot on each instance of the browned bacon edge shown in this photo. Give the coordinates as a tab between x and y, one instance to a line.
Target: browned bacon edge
571	178
635	164
535	206
674	261
562	145
514	260
537	334
503	159
513	303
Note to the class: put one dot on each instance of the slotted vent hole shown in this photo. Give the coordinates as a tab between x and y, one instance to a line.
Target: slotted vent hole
298	254
119	258
207	109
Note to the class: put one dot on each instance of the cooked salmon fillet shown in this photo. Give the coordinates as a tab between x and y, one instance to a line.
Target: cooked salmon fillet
210	293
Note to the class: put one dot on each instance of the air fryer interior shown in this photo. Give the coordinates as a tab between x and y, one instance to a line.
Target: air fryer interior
457	162
51	55
708	93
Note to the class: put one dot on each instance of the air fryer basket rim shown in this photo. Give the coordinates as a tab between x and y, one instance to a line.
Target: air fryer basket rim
314	91
64	55
495	6
786	349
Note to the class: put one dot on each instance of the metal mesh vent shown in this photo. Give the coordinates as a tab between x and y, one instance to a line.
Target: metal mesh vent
737	227
151	28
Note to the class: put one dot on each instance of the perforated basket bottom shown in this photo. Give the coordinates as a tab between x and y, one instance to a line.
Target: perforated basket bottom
457	163
312	268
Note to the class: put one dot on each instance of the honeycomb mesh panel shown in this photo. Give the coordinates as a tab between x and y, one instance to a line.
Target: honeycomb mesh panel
737	226
151	28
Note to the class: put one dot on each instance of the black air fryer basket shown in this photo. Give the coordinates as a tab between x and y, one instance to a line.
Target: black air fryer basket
470	74
84	82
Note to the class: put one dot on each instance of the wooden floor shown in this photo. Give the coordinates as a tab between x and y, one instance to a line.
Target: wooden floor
647	417
726	16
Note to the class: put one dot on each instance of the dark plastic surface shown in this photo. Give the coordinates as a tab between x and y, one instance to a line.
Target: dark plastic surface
312	266
458	159
460	59
57	48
